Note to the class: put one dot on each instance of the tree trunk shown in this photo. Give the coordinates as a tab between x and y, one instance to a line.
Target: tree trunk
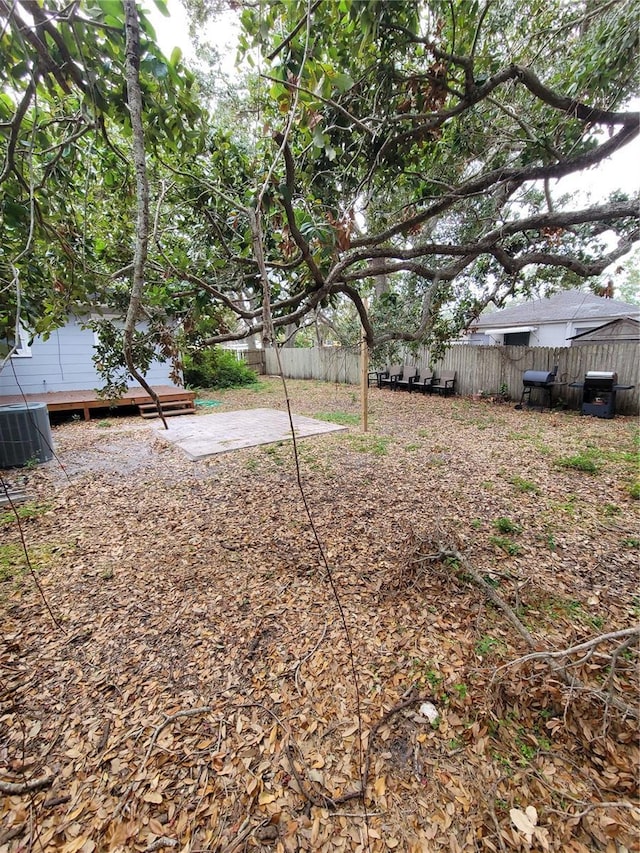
252	345
134	99
290	332
258	253
381	281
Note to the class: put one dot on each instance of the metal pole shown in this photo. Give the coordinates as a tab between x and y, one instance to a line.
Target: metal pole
364	383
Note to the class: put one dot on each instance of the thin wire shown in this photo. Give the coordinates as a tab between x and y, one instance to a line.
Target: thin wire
25	549
334	590
316	535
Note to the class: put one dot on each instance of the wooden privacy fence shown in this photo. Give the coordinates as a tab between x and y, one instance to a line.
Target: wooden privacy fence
487	369
329	364
254	359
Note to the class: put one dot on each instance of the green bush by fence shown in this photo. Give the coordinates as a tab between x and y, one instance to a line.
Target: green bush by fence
216	368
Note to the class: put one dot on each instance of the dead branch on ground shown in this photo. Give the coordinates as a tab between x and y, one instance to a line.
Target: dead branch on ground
188	712
558	661
589	645
28	787
589	807
322	800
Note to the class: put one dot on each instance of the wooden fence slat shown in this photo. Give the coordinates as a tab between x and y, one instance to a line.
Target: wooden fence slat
485	368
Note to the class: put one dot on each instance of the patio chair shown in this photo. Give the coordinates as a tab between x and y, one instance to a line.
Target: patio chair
375	376
445	383
422	382
390	376
409	373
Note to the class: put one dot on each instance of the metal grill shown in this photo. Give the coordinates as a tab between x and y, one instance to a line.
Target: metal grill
544	380
599	390
538	378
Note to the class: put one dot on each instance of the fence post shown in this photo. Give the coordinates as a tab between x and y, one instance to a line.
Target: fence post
364	382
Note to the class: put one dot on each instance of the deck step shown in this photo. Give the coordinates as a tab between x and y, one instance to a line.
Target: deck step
166	404
169	407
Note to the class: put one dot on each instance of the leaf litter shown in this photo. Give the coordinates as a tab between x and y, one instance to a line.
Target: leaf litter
200	695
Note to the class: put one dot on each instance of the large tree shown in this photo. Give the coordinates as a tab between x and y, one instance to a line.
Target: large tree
423	142
416	145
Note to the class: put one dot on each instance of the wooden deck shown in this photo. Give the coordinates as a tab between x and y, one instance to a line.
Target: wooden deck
85	401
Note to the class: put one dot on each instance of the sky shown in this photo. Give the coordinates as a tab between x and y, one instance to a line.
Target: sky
622	171
619	172
174	32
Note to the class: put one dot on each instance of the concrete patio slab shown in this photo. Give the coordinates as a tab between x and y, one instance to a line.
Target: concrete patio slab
200	436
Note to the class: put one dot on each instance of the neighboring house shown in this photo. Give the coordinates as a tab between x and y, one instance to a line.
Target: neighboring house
613	332
63	362
243	346
551	322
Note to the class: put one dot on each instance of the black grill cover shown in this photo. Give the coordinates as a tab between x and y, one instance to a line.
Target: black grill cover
538	377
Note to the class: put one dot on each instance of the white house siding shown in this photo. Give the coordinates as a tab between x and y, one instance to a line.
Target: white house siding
554	320
558	334
64	363
546	335
550	335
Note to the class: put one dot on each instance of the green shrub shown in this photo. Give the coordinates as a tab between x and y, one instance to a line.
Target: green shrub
506	545
579	462
505	525
216	368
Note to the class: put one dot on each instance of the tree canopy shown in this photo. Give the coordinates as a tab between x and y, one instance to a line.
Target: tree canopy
66	177
401	156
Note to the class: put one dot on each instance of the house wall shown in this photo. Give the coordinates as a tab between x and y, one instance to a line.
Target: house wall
64	363
546	335
550	335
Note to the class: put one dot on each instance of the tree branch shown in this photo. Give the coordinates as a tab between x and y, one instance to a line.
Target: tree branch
286	197
47	62
573	650
134	98
570	679
16	123
12	789
571	106
481	183
294	32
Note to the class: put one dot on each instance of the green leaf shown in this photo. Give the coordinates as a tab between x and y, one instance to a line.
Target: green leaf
342	82
112	7
283	189
20	69
161	6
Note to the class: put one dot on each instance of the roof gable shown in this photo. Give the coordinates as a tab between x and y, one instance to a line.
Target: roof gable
622	328
567	305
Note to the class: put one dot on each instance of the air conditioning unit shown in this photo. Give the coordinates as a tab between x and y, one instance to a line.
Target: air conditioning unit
25	435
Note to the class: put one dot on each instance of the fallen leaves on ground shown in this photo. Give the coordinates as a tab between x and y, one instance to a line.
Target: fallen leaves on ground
199	695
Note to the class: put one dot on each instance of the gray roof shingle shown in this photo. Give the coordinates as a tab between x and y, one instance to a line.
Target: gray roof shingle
568	305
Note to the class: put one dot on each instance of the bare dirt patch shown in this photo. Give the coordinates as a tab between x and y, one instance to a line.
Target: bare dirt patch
200	691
